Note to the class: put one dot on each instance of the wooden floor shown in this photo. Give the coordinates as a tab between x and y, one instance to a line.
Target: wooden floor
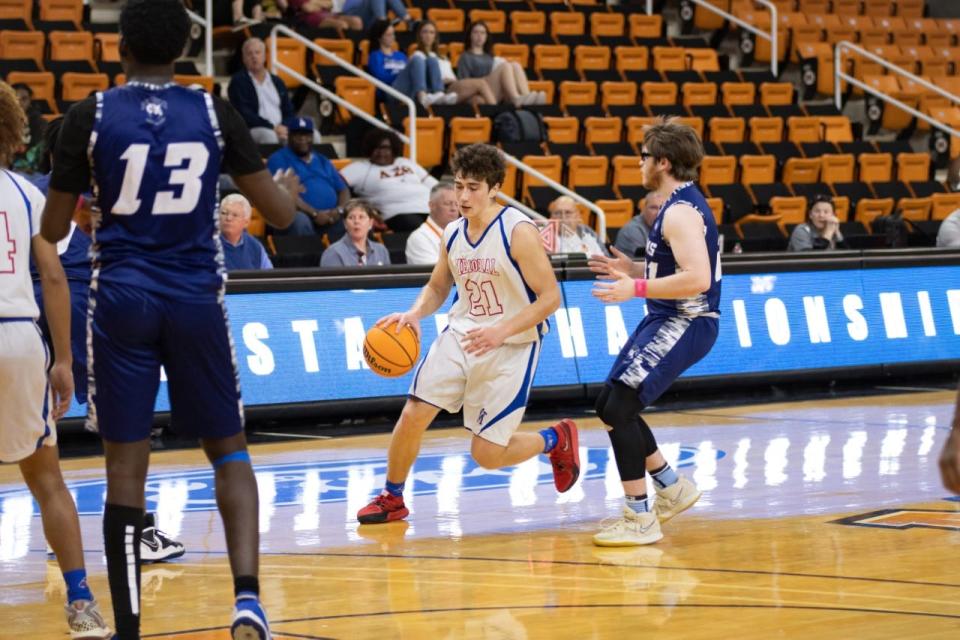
819	520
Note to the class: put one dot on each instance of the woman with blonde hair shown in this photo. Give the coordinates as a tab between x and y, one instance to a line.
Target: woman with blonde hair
473	90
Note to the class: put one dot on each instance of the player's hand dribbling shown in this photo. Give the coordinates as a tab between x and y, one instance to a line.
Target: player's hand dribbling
482	340
620	290
402	319
601	265
61	383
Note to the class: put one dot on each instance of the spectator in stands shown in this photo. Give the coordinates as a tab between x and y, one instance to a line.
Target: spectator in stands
507	79
572	235
320	13
632	238
240	249
260	97
28	160
369	11
949	234
396	186
822	229
418	77
241	9
355	248
473	90
423	245
319	208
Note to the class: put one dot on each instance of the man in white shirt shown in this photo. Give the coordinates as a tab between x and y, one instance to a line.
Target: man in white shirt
423	245
573	236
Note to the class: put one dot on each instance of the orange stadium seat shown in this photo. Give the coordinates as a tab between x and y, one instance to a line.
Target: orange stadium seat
342	48
878	8
292	53
791	210
42	84
577	93
766	129
913	167
429	141
910	8
716	208
17	10
606	24
77	86
669	59
631	58
495	19
758	169
837	168
22	45
802	170
447	20
694	122
944	204
702	60
469	130
619	93
62	11
188	80
726	129
587	57
551	56
699	93
836	128
644	27
659	93
869	209
514	52
72	46
718	170
803	129
602	130
875	167
618	212
776	93
567	23
916	209
107	47
550	166
706	20
587	171
635	125
737	93
627	171
358	92
562	130
527	23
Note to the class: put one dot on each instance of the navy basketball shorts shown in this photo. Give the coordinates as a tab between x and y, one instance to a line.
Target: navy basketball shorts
659	350
132	333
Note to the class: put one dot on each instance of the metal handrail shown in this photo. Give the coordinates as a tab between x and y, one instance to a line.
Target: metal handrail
207	24
840	75
772	36
275	65
410	139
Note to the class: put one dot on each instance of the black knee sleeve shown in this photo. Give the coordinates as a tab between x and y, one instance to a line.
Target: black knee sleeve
619	408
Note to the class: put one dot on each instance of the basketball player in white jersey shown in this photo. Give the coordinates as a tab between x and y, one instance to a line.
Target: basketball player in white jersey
30	402
486	358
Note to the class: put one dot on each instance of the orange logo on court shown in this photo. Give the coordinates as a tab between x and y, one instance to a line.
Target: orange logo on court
906	519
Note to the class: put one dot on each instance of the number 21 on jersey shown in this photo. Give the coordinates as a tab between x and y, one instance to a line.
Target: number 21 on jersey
196	156
483	298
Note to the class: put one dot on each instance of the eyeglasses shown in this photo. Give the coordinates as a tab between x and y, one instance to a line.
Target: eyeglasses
645	154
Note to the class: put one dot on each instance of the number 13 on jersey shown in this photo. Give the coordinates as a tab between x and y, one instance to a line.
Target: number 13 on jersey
196	156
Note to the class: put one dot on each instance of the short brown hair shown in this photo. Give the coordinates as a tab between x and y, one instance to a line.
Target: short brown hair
12	122
364	205
481	162
678	143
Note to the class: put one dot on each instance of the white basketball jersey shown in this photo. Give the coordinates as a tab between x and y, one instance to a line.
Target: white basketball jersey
21	204
490	286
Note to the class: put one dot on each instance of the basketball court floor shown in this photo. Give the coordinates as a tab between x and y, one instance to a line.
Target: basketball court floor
821	519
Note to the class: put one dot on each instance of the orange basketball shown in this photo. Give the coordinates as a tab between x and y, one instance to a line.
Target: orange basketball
389	353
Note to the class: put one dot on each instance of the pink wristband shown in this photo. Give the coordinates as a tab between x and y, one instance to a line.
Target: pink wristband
640	288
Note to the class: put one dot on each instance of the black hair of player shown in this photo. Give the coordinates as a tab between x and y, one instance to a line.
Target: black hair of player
481	162
154	32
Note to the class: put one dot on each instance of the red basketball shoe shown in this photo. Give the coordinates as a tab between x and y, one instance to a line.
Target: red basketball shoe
565	457
386	507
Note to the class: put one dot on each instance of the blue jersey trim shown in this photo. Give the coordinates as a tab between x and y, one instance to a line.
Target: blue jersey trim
520	400
26	201
5	320
483	235
453	236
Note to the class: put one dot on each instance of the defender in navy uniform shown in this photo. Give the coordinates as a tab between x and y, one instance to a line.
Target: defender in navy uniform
681	281
154	151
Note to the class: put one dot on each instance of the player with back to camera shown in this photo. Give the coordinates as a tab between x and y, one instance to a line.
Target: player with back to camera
154	152
681	281
486	358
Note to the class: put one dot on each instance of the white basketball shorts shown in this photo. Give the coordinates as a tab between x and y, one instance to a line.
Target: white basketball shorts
492	389
26	404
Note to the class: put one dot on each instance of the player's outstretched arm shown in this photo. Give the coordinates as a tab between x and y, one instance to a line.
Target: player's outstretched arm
683	228
431	297
56	306
528	252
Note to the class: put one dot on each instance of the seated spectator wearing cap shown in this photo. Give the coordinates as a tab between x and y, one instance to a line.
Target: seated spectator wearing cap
423	245
572	235
397	187
240	249
632	238
821	231
355	248
260	96
324	191
948	236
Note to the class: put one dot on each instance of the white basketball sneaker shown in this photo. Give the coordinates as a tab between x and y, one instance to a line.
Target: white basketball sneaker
675	499
630	530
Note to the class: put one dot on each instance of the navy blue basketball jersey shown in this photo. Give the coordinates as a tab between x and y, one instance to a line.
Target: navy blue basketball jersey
661	263
156	153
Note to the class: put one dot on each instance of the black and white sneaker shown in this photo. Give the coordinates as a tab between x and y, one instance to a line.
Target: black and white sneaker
155	545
